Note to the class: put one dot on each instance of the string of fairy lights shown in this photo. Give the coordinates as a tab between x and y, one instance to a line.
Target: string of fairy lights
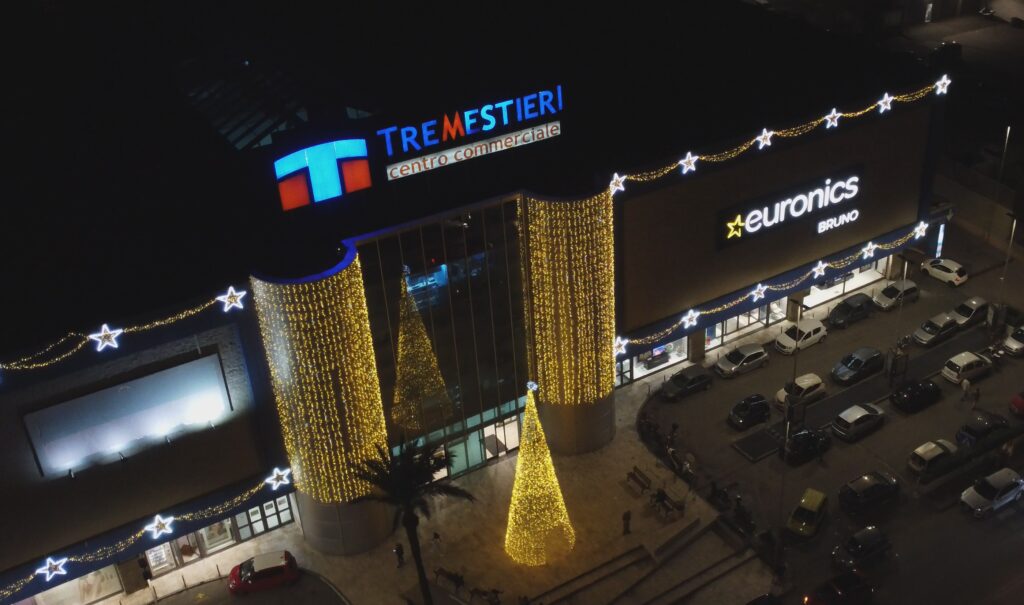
73	342
763	140
160	526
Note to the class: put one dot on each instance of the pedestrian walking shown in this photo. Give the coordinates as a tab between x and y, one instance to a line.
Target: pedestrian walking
975	397
965	384
626	518
435	544
672	434
400	554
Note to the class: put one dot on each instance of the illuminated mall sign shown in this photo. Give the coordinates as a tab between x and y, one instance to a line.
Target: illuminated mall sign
820	202
450	128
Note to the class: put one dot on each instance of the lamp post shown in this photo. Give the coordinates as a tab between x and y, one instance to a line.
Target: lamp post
1006	261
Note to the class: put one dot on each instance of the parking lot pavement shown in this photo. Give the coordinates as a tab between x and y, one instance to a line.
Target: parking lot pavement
931	546
309	590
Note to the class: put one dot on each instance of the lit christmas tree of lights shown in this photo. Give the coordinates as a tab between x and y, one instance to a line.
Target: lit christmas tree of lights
421	399
537	518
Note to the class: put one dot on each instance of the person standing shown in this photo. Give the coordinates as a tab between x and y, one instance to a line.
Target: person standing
626	518
975	397
965	384
400	554
435	544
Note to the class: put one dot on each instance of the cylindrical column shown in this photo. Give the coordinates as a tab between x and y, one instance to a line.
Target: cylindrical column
569	295
316	334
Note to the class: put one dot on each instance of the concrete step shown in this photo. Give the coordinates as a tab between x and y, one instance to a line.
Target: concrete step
712	572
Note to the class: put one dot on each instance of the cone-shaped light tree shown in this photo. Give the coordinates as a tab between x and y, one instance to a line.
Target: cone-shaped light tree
537	520
421	399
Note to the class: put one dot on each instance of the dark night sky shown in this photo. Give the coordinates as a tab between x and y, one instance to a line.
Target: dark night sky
121	201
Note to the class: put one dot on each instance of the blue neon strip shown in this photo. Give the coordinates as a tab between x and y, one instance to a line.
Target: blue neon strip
322	163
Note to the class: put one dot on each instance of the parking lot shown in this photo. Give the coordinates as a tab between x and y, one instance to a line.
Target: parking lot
935	544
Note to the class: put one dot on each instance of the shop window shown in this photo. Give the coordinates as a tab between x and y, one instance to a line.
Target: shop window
161	559
262	518
216	537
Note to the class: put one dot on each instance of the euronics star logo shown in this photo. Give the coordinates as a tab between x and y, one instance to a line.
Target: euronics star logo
160	526
105	337
869	250
618	183
832	119
53	568
942	85
819	269
690	319
232	299
689	163
735	227
920	230
758	292
278	478
885	103
764	139
620	345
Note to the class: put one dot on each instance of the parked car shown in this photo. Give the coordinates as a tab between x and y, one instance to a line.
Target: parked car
807	389
1017	404
858	365
966	365
800	336
915	396
945	270
866	546
981	424
971	311
847	588
740	360
901	290
686	382
926	456
869	491
991	493
263	572
806	518
750	411
935	330
857	421
1014	343
804	445
851	309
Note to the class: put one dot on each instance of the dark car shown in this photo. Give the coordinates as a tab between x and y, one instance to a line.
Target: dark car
685	382
804	445
852	309
864	547
750	411
858	365
849	587
915	396
980	425
869	491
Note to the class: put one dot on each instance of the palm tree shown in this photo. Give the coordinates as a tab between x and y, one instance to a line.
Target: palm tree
406	482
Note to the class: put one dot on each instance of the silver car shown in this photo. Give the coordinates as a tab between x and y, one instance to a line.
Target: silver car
935	330
928	455
1014	343
890	296
990	494
856	421
741	360
971	311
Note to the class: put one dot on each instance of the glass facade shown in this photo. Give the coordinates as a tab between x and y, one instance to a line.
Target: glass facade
463	272
837	286
89	588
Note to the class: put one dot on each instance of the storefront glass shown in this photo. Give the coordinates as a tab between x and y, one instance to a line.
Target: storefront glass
216	537
89	588
744	324
659	357
838	286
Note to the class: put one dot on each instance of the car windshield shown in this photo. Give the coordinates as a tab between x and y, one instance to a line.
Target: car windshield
680	380
245	570
891	292
952	365
854	547
803	515
790	387
852	362
930	327
985	489
1018	334
917	460
735	356
792	333
964	310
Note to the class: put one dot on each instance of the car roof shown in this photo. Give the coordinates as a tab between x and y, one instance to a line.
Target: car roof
809	323
748	349
934	448
941	318
691	371
975	301
982	419
866	352
964	357
868	535
1002	478
903	284
852	413
806	380
812	499
859	297
867	480
269	559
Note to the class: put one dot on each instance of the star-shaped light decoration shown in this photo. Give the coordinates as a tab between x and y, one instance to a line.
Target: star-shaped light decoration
160	526
885	103
278	477
53	568
105	337
618	183
942	85
531	385
735	228
869	250
689	163
920	230
832	119
690	319
765	138
819	269
620	345
758	292
232	299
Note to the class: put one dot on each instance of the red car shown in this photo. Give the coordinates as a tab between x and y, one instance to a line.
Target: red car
1017	404
263	572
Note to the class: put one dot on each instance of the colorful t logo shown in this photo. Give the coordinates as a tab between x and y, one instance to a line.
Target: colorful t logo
322	163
